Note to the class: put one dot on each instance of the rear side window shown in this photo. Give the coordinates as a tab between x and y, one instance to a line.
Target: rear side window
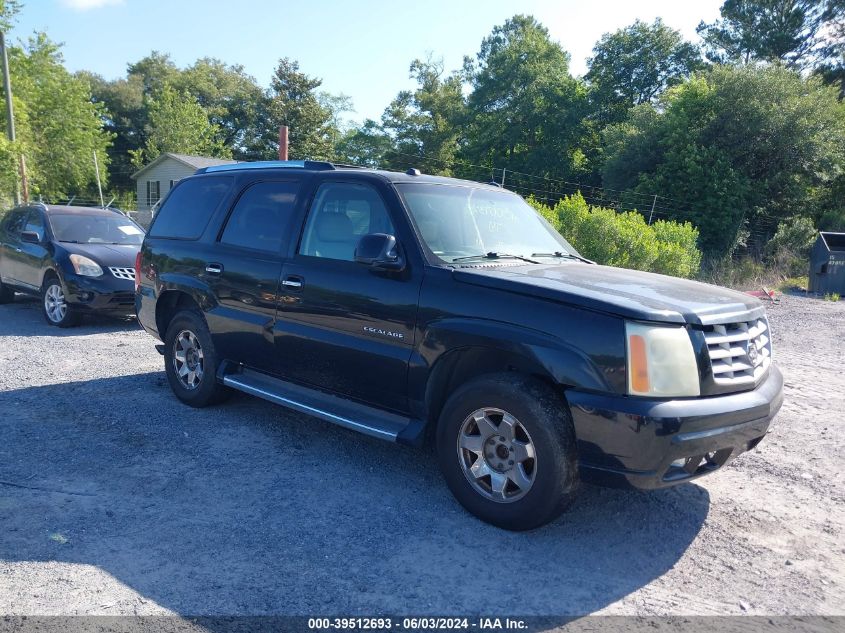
260	216
189	207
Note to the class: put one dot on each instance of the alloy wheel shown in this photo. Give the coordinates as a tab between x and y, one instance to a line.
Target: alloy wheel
188	359
54	303
497	455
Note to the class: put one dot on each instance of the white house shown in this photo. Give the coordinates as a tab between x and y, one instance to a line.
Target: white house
153	181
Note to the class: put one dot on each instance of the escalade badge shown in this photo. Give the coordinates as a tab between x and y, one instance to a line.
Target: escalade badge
380	332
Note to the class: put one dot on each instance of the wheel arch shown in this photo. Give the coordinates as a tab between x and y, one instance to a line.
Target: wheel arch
465	350
169	303
50	271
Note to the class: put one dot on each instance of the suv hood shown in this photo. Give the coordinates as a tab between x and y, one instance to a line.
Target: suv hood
115	255
628	293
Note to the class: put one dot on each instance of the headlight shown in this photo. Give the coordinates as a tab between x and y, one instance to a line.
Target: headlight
85	266
661	361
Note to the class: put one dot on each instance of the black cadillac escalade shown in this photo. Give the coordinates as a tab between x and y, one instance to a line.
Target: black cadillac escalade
408	306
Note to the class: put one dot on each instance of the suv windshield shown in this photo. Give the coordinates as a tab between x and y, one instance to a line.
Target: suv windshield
95	229
462	222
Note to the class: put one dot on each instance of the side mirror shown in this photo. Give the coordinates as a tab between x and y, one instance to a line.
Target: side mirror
30	237
380	252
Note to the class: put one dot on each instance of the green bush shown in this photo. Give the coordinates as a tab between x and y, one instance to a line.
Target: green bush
788	250
744	272
624	239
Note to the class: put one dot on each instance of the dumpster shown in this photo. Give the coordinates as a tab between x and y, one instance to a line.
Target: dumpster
827	264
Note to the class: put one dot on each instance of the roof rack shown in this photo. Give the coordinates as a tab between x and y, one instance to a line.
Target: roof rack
316	165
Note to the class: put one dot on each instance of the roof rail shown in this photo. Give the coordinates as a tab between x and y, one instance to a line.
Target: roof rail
349	166
317	165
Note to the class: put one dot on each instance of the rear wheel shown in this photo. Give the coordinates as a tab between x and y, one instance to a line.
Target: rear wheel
57	311
190	360
7	295
506	446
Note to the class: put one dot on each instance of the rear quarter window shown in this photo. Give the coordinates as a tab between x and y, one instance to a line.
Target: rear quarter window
187	210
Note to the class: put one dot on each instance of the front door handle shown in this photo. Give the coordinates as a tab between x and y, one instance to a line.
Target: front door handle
214	268
292	282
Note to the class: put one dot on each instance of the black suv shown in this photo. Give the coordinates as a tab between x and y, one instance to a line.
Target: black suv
402	305
77	259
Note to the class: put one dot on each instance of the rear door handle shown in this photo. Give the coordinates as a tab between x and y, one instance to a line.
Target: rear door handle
292	282
214	268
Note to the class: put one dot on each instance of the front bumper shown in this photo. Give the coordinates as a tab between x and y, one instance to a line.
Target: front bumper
647	443
105	294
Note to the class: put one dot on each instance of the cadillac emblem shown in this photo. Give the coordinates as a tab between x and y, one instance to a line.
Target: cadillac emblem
753	354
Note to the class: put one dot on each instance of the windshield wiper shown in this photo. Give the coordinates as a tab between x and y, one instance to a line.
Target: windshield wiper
69	241
492	255
564	255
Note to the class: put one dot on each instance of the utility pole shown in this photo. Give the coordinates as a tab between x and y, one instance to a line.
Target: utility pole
283	142
10	115
99	186
653	203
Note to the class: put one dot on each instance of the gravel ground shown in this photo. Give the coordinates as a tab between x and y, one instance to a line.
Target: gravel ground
116	499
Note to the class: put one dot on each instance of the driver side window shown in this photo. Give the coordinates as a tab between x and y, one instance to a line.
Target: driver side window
15	222
340	214
35	224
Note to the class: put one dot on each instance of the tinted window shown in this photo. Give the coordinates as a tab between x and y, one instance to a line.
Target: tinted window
260	216
35	224
340	215
15	221
187	210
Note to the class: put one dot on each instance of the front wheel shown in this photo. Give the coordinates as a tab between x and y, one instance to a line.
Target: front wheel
191	362
56	309
506	446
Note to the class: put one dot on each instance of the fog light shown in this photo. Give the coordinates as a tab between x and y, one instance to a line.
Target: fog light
86	296
679	463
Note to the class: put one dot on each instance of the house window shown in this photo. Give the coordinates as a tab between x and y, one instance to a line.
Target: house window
172	183
153	192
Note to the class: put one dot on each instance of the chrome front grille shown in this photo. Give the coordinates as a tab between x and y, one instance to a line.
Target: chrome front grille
740	353
123	273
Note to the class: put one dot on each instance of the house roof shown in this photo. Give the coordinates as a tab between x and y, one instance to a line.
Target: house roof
194	162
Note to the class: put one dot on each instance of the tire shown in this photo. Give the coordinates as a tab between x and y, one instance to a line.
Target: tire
7	295
488	431
191	362
56	310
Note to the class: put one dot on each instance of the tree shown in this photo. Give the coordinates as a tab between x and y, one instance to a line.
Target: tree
295	102
790	31
178	123
125	118
525	110
59	128
425	124
233	101
367	144
9	10
155	71
737	148
636	64
833	70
